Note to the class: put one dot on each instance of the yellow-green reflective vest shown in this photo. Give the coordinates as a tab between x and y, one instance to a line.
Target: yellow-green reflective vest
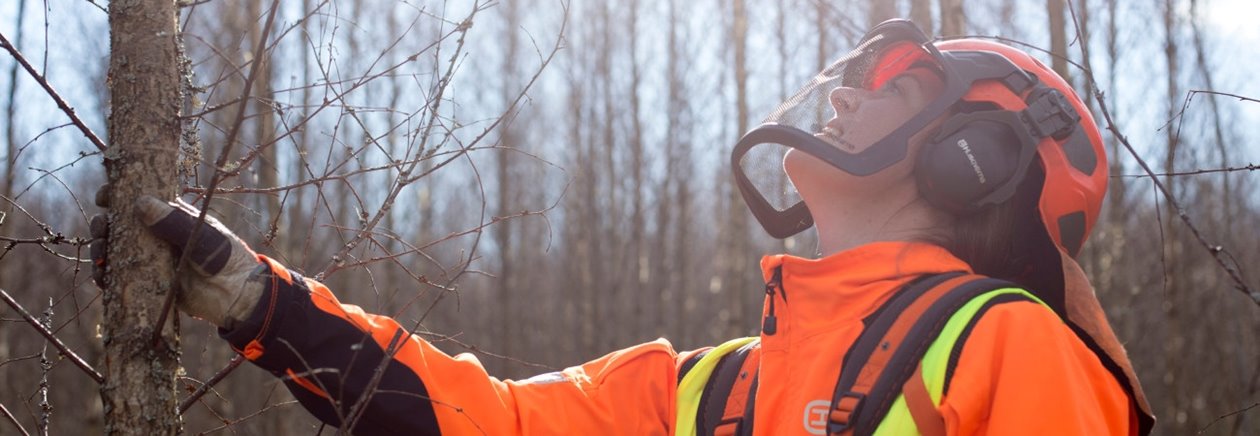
898	420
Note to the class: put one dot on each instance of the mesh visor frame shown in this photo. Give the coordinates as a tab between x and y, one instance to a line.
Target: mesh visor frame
961	69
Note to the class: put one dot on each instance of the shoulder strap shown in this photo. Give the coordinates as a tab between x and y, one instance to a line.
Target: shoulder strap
888	352
698	384
722	404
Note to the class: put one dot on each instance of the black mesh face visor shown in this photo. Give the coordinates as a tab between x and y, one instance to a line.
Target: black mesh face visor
798	123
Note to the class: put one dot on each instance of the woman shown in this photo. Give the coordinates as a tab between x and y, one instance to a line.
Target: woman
919	162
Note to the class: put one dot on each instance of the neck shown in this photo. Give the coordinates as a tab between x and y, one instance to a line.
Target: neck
893	215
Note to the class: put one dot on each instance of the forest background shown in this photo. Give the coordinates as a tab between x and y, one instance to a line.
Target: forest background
539	182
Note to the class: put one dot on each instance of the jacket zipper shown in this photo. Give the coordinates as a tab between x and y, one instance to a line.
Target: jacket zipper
770	325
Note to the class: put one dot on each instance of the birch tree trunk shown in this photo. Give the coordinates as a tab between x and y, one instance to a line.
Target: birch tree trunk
139	391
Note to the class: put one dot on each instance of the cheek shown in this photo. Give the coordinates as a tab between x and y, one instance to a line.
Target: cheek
873	124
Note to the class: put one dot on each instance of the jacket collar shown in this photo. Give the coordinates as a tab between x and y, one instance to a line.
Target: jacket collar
851	284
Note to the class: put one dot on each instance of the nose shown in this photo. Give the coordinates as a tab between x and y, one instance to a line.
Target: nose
845	99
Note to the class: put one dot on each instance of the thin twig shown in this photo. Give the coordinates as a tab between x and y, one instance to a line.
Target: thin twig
1248	167
61	103
1226	94
1227	415
475	349
5	411
65	351
214	380
230	422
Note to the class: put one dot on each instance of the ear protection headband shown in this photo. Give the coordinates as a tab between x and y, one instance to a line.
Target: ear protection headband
978	159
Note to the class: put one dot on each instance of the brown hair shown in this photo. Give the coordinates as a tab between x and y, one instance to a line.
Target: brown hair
1003	241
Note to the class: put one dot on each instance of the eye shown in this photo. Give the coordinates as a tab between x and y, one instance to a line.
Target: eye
897	85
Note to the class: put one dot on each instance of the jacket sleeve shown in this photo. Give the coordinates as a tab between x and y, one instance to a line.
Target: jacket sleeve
1023	370
331	354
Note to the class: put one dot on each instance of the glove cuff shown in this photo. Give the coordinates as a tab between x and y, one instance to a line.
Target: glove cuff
246	334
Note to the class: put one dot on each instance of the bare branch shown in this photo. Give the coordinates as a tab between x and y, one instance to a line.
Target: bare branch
1248	167
1226	94
230	422
1227	415
236	361
5	411
65	351
61	103
475	349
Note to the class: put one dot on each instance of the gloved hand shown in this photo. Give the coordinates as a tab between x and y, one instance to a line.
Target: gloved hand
222	279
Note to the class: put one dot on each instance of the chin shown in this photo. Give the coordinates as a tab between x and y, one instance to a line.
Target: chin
807	171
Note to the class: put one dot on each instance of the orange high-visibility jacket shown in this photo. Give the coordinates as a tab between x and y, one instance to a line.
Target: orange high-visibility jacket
1021	369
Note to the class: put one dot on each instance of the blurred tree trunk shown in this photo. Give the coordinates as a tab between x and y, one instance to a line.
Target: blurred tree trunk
673	217
1177	363
1227	205
1058	38
10	168
269	212
614	265
297	212
641	271
881	10
582	229
585	230
953	18
734	249
144	132
781	29
1085	15
508	331
1117	190
921	14
265	129
822	22
10	118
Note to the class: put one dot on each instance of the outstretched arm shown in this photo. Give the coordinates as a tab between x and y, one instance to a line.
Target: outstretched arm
367	373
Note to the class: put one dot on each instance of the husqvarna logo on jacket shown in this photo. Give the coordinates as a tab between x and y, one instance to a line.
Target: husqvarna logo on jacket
816	416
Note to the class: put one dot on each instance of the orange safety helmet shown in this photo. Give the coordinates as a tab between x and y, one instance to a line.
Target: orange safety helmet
1073	159
1004	108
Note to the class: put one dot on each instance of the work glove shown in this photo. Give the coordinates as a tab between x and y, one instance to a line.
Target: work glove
221	280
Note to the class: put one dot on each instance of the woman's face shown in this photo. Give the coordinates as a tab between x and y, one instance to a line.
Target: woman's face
863	117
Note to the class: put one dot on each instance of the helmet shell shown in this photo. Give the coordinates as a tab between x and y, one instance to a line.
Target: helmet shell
1075	168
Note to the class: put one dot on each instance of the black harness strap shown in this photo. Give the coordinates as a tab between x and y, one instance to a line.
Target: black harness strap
718	390
872	406
690	363
746	426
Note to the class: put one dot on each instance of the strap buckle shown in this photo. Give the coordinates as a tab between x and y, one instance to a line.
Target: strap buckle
1049	114
844	409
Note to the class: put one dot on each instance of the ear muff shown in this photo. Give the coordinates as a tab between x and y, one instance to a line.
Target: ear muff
977	159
